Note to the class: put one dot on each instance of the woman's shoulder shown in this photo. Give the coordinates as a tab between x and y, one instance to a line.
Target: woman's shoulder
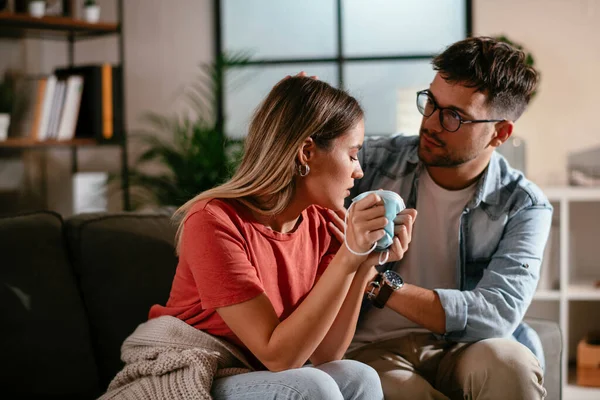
318	215
224	210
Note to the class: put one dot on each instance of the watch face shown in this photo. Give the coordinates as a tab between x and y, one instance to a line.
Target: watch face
393	279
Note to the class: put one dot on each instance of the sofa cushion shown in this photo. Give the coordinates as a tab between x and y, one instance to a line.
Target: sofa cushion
45	345
125	263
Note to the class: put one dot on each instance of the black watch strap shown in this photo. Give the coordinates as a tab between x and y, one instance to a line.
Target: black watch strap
385	291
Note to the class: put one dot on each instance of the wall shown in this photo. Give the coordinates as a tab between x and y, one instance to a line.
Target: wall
164	43
562	35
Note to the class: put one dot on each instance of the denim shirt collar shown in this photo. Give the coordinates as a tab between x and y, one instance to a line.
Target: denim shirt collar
488	187
490	184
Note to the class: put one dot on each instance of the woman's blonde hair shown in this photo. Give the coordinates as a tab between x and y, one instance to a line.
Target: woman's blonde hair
296	108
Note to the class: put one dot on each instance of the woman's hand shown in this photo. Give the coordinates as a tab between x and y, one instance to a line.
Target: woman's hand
403	226
365	223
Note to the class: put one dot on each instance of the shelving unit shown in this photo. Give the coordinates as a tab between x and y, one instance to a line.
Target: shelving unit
18	26
567	292
19	143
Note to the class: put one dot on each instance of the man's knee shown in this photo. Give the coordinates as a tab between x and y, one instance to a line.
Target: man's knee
502	364
505	355
407	385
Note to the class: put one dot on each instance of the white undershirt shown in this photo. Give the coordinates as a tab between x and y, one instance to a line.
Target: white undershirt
431	261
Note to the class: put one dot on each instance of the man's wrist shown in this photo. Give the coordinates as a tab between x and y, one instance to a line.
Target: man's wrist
389	282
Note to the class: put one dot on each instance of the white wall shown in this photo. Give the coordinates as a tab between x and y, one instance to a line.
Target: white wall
164	43
563	37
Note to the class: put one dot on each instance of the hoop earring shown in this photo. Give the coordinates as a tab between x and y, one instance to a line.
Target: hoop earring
303	170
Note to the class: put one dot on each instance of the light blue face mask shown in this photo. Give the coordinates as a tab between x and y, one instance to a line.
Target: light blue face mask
393	204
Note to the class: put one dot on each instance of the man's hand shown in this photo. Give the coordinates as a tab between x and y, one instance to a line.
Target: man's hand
303	74
405	218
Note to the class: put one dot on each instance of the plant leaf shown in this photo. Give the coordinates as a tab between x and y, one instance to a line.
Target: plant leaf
194	153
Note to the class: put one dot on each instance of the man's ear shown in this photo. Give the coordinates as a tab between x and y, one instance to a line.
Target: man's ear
503	131
307	151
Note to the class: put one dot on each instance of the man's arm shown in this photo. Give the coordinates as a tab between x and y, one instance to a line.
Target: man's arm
421	306
498	303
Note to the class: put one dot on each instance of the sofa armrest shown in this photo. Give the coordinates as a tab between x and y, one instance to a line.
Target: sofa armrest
551	338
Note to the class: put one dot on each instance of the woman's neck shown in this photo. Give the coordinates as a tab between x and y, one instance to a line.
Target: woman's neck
284	222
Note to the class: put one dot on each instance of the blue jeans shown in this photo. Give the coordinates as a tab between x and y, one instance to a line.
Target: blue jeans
337	380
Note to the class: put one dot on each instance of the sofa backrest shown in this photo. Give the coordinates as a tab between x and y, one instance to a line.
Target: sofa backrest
124	263
45	348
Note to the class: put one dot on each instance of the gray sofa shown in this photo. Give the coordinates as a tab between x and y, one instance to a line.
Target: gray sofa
71	291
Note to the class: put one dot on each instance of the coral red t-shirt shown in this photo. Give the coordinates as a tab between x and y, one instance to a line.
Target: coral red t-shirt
227	258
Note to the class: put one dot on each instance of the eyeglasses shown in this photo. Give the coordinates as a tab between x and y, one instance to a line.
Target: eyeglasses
449	118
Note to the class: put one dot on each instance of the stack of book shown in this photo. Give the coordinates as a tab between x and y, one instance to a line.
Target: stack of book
77	102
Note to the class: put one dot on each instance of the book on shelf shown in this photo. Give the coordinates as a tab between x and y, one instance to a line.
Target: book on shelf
57	101
37	107
70	110
100	112
25	109
77	102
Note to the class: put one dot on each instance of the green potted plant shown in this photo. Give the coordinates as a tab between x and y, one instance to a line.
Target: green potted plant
7	99
190	149
91	11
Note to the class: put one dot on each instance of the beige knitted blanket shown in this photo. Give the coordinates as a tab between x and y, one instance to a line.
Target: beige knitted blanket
165	358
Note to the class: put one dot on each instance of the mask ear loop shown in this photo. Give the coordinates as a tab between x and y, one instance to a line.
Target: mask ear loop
385	253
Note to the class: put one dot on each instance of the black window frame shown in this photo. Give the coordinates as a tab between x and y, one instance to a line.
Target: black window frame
339	59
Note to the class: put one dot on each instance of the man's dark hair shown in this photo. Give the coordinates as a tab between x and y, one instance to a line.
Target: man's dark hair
492	67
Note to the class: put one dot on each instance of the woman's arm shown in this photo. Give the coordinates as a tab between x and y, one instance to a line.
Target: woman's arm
281	345
336	342
287	344
338	338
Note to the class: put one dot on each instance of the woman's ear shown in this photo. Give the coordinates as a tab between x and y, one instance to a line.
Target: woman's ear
504	130
306	151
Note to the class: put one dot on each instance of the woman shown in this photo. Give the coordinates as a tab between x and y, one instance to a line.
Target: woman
258	266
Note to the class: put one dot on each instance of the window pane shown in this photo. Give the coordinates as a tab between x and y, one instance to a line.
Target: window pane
246	87
388	92
280	29
383	27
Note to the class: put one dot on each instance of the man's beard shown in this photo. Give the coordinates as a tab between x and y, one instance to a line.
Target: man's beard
446	160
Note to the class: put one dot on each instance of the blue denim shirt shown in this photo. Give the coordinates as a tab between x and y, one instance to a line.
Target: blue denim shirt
502	235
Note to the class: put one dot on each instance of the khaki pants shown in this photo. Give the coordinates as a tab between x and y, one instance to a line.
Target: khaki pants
418	366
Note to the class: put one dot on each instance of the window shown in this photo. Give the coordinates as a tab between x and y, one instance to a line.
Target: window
378	50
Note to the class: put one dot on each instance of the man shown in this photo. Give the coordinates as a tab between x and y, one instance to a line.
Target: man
452	304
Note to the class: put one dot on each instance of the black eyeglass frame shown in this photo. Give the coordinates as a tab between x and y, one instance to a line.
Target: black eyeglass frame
461	120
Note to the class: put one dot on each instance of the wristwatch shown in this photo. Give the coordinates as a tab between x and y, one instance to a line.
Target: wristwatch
389	282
